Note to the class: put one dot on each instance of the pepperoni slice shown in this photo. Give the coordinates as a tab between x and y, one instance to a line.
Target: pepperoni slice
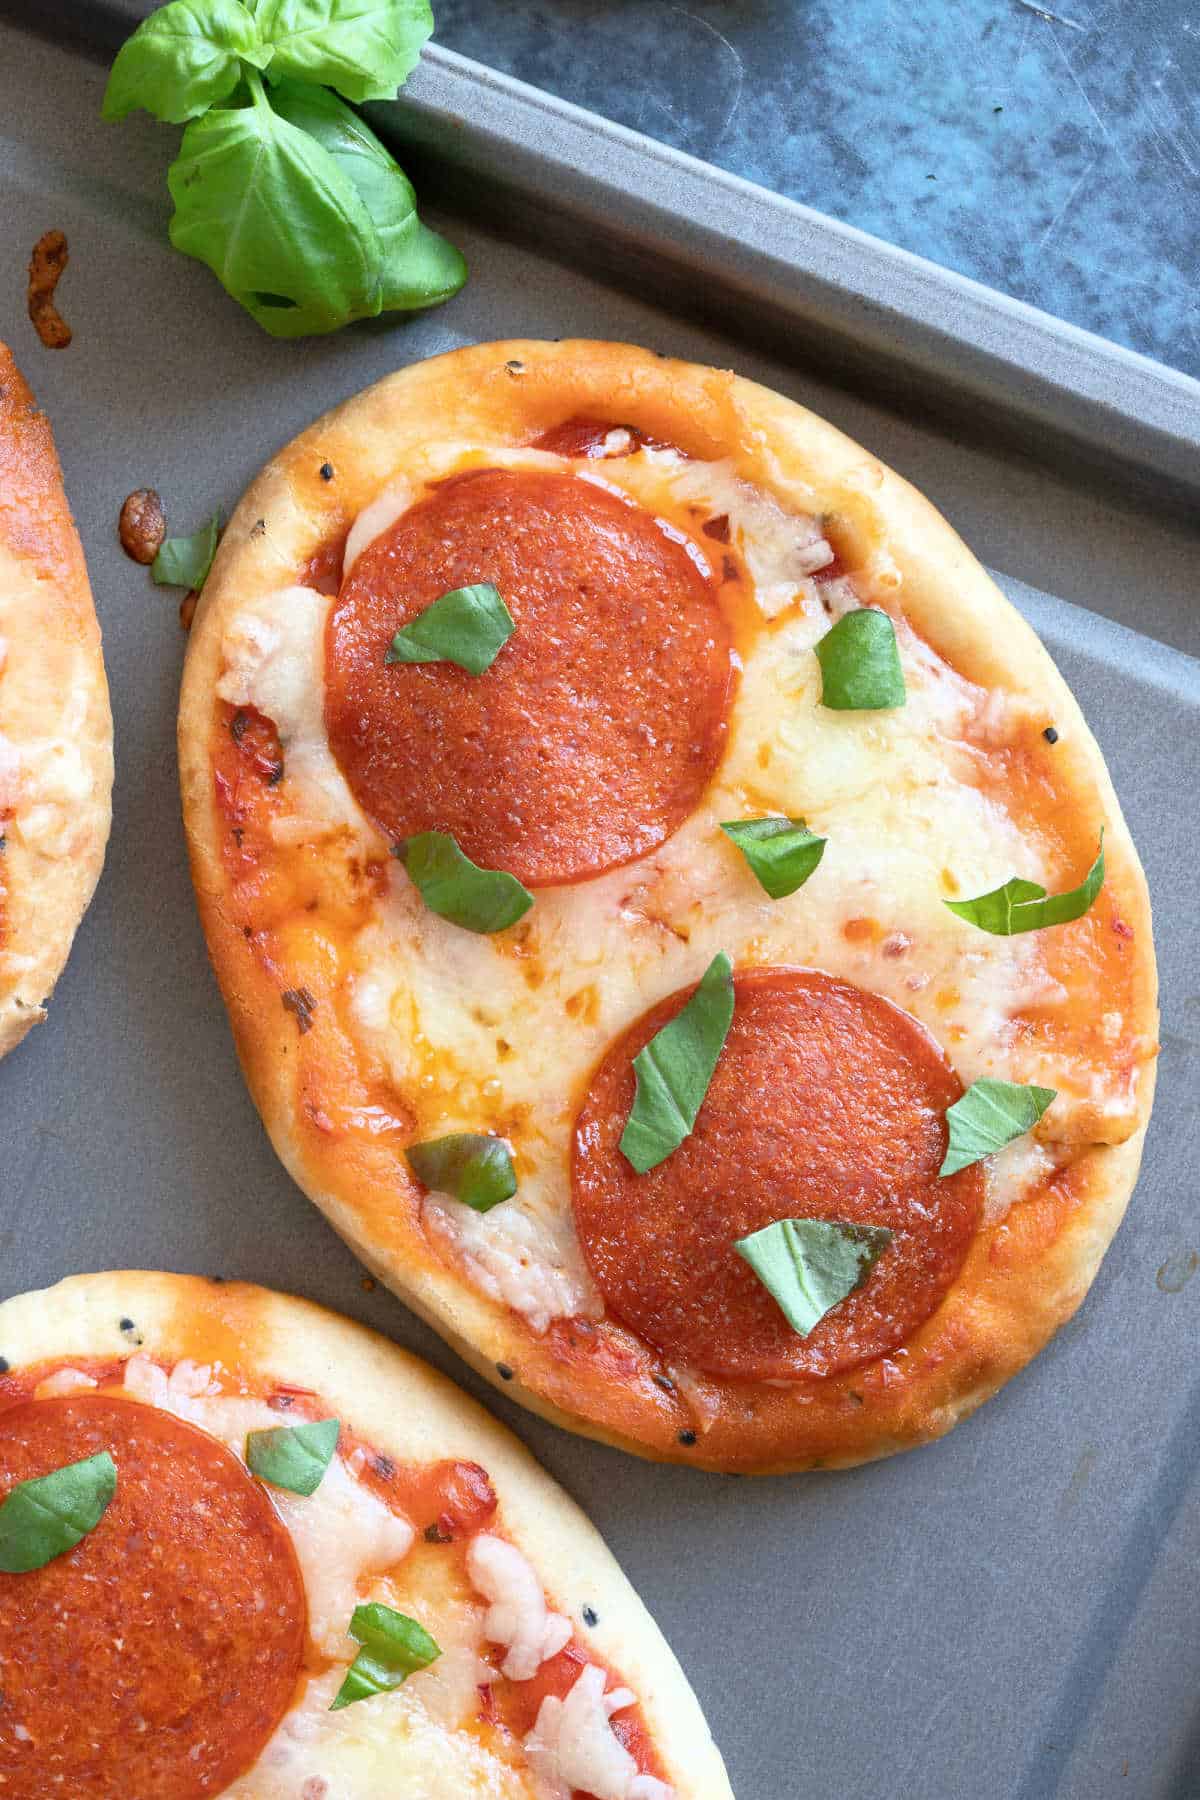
592	438
592	735
157	1657
827	1103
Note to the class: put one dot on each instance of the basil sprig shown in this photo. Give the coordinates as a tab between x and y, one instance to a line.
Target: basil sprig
451	885
781	852
294	1457
811	1265
393	1648
1025	905
185	561
989	1115
286	195
418	267
860	663
468	626
471	1166
675	1068
48	1515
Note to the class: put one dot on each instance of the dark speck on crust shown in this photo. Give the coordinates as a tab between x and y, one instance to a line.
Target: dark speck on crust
384	1467
687	1437
1050	735
125	1325
300	1002
258	528
326	471
3	1365
504	1372
590	1616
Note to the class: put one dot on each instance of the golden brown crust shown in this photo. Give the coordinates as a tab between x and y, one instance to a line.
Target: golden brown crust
407	1411
55	722
1024	1276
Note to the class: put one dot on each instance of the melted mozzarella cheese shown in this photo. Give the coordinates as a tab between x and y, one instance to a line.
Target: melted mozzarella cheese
387	1748
274	661
518	1617
476	1035
572	1745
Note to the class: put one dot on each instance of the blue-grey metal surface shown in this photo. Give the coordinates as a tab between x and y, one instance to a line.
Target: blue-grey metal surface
1050	148
1010	1615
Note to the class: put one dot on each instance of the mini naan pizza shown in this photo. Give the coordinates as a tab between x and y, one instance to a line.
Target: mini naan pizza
55	723
250	1549
675	920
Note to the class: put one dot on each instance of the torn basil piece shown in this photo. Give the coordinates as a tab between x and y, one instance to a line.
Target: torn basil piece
810	1265
294	1457
48	1515
451	885
674	1070
781	852
471	1166
185	561
468	626
860	663
393	1648
1025	905
989	1115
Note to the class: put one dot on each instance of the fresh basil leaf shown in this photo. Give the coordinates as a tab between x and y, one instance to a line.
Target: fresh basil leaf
293	1456
990	1115
363	48
860	664
468	626
182	59
1026	906
276	220
675	1068
393	1648
451	885
810	1265
419	267
782	852
48	1515
471	1166
185	561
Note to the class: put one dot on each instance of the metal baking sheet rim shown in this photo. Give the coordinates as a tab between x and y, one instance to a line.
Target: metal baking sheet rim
885	307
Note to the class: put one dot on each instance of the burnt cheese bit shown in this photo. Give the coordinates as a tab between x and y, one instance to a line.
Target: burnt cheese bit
665	1383
383	1466
142	525
687	1438
1050	735
326	471
49	259
437	1533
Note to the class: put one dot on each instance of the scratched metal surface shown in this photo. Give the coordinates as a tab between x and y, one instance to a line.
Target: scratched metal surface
1050	148
1009	1615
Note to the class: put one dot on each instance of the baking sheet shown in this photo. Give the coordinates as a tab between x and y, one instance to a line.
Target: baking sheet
1010	1615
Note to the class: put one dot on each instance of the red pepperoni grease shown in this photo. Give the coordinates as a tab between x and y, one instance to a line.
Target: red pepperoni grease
591	737
156	1658
828	1103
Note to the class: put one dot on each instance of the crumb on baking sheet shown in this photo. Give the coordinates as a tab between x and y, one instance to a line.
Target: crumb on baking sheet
142	525
47	263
